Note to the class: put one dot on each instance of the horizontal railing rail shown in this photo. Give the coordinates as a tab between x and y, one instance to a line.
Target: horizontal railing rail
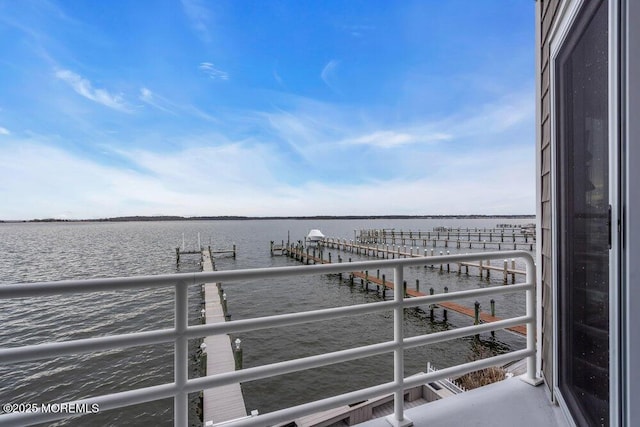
181	333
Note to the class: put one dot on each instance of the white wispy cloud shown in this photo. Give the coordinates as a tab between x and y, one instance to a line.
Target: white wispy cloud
309	132
214	73
4	131
84	88
57	181
200	18
238	166
498	115
331	135
391	139
51	182
196	112
385	139
161	103
145	94
156	101
328	73
494	191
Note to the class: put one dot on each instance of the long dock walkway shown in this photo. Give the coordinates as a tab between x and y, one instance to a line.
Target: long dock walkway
386	284
379	251
224	403
522	235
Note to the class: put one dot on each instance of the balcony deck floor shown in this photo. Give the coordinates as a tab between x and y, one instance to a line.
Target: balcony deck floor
508	403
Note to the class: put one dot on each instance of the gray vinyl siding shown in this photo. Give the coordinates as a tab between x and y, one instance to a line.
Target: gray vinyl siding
549	10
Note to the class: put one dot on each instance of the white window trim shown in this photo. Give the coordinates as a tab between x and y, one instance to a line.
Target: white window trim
566	17
630	10
615	306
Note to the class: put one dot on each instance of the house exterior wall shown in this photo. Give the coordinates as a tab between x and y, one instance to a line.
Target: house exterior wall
548	15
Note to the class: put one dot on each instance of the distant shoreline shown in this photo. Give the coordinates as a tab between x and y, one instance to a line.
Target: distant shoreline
245	218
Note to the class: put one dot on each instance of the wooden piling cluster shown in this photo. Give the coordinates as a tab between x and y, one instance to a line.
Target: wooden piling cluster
471	238
277	249
199	252
315	255
231	251
180	253
487	268
392	252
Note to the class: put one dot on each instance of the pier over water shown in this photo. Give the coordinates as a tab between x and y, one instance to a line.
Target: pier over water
223	403
307	256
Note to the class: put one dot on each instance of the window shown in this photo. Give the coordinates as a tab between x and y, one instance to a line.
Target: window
582	200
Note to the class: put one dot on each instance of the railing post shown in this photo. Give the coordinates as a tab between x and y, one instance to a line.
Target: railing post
530	376
181	355
531	326
397	419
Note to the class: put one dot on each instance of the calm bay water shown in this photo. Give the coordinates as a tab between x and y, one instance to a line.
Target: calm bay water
54	251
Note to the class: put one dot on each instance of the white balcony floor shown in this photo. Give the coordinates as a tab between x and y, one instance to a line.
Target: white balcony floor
508	403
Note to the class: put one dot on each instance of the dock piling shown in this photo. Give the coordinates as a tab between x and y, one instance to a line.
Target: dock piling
203	358
505	274
237	353
431	305
224	303
444	312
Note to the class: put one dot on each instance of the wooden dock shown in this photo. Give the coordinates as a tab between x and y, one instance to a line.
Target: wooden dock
379	251
223	403
477	238
383	284
199	251
278	249
523	233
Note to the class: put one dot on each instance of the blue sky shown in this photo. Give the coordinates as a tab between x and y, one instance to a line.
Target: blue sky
193	107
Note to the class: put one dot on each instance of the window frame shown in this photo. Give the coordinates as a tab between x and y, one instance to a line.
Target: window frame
566	17
630	199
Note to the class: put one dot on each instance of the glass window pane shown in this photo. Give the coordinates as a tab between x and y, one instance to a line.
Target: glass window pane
583	217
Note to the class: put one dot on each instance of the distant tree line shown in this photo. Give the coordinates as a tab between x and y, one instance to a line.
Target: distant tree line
240	218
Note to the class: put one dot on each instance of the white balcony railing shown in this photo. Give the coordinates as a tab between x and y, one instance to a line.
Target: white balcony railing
182	332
